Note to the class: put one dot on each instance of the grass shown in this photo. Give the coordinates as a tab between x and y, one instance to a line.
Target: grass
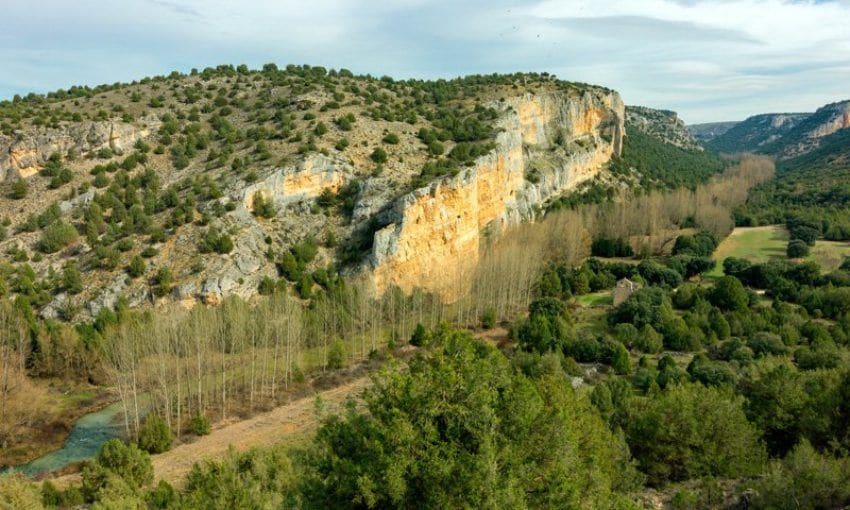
760	244
757	244
602	298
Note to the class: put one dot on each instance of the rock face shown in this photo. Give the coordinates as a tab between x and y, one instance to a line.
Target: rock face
663	124
307	179
23	154
710	130
808	134
433	241
756	133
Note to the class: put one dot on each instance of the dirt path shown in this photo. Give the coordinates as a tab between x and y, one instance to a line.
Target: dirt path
265	429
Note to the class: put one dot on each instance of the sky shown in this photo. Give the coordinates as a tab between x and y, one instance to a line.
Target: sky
708	60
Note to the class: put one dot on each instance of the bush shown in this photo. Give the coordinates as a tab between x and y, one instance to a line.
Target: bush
263	207
216	241
420	336
729	294
379	156
155	436
136	268
337	355
267	286
611	248
18	492
806	478
797	248
19	189
199	425
489	318
162	282
127	463
56	236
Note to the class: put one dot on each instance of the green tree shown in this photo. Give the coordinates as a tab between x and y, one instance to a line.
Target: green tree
433	434
797	248
690	431
804	479
154	435
116	466
72	280
729	294
56	236
137	266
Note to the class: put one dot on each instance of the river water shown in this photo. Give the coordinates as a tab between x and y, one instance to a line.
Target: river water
83	443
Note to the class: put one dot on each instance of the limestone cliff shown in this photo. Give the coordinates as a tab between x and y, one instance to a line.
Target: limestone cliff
24	153
663	124
434	239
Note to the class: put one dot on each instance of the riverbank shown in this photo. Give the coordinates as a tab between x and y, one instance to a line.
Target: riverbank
54	409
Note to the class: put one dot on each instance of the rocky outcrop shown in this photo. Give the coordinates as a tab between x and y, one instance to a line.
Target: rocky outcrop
662	124
710	130
756	133
433	241
307	179
24	154
808	134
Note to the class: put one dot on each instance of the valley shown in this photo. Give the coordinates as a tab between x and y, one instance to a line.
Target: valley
301	287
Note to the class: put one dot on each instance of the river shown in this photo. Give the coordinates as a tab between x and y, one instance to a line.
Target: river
83	443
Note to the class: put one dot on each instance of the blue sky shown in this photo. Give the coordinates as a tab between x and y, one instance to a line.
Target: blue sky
708	60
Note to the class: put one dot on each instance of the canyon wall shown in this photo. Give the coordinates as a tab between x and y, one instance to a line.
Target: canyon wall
433	242
24	154
304	180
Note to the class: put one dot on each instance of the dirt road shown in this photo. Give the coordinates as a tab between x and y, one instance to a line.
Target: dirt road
266	429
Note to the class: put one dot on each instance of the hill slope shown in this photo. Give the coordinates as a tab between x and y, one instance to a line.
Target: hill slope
756	132
710	130
231	181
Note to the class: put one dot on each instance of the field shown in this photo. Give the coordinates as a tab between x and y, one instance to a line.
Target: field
760	244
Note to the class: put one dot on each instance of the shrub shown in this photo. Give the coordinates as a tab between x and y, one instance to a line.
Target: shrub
130	465
391	139
379	156
136	268
337	355
806	478
199	425
162	282
419	336
797	248
267	286
19	189
56	236
489	318
729	294
263	207
154	435
216	241
72	280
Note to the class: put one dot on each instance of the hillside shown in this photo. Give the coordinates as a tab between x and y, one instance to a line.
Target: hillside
232	181
755	133
662	124
710	130
661	153
810	132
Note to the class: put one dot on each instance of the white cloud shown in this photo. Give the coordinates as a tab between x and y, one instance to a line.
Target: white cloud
710	60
